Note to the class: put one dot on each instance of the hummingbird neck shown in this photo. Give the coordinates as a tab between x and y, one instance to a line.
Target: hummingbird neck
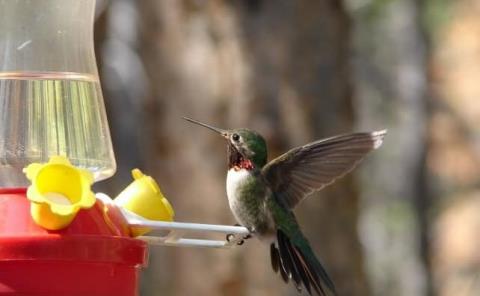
237	161
243	164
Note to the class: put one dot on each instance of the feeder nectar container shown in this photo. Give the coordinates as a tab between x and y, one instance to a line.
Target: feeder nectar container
50	97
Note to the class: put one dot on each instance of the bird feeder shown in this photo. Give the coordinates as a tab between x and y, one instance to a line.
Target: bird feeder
57	237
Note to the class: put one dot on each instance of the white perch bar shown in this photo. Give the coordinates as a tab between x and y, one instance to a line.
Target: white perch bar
177	232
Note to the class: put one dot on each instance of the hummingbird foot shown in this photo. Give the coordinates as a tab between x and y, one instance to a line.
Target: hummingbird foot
231	237
242	241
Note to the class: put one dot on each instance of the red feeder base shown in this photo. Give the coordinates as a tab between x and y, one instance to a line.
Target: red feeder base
51	278
92	256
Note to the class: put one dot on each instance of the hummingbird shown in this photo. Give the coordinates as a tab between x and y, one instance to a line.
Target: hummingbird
262	195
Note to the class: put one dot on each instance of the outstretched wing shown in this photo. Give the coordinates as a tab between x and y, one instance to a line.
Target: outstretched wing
306	169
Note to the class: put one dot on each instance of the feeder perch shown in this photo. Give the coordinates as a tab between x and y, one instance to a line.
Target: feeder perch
177	233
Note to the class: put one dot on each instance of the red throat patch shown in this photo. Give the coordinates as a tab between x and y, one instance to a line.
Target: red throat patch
244	164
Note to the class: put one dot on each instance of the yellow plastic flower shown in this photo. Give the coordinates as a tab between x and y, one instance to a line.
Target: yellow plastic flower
144	198
58	191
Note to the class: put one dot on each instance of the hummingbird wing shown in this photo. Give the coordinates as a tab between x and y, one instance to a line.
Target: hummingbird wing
309	168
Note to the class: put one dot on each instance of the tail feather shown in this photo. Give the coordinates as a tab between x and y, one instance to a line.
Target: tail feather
284	273
299	264
302	271
287	260
312	275
311	279
312	261
277	264
275	257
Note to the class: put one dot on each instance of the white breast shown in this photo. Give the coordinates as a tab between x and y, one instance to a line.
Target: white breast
235	179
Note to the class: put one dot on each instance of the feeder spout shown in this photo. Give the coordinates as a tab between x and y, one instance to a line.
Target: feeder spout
144	198
57	192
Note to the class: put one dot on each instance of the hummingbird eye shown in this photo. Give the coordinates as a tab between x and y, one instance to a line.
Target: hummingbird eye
235	137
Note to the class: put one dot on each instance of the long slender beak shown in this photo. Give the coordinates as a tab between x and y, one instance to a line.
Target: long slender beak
220	131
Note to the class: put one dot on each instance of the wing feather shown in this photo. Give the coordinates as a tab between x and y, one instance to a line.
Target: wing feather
309	168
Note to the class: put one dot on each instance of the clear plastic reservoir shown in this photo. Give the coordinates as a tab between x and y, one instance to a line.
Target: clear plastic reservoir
50	97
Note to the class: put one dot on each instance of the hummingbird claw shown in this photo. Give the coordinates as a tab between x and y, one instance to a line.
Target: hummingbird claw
242	241
230	237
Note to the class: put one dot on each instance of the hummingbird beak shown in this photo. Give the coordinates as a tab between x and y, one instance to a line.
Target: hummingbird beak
220	131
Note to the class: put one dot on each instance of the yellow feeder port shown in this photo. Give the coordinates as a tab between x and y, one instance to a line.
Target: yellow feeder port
58	191
144	198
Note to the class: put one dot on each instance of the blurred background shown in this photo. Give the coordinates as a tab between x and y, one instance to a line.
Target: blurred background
407	222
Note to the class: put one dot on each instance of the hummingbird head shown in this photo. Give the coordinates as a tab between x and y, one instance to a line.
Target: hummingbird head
246	148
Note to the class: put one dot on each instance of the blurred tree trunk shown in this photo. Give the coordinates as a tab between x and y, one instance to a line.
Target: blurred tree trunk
280	67
392	87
